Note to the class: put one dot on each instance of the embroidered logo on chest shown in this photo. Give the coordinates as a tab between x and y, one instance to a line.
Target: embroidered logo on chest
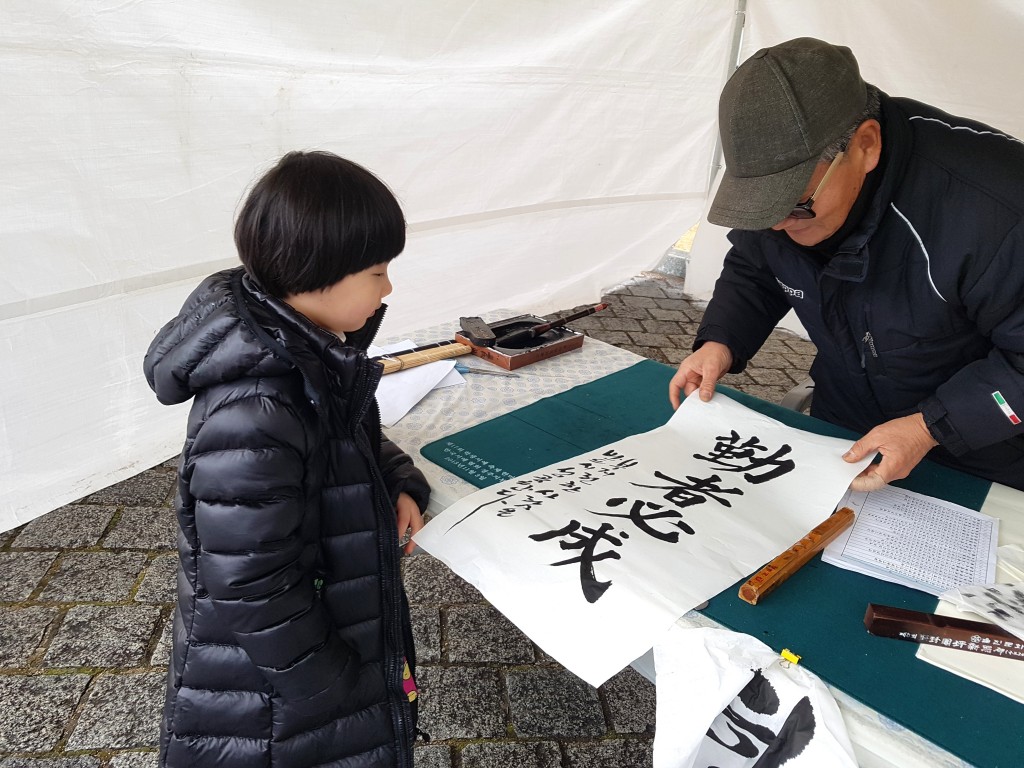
794	292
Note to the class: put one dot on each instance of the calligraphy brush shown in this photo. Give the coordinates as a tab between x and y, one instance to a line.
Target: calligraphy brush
526	334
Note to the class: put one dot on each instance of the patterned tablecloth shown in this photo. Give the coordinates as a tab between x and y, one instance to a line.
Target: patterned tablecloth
451	409
878	741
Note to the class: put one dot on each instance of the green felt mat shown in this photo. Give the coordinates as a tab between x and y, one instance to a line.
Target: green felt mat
819	612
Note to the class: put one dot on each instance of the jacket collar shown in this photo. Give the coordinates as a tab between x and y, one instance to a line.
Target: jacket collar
852	256
312	350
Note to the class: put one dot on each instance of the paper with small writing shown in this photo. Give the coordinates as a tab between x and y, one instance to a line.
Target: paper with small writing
916	540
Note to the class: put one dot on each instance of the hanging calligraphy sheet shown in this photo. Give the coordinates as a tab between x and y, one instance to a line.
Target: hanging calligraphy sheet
595	557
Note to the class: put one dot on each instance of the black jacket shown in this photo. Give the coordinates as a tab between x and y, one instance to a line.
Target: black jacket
920	307
291	624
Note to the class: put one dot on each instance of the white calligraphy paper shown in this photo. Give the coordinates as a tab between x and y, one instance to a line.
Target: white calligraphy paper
1002	675
595	557
1000	604
728	700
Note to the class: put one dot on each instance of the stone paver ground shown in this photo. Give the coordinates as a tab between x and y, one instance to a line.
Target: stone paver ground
86	594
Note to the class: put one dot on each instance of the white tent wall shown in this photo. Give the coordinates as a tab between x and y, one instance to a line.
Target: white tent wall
965	58
542	151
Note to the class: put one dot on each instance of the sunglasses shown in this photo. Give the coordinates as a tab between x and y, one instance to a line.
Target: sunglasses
803	210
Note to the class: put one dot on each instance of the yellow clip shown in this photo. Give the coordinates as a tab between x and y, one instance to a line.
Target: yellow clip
789	656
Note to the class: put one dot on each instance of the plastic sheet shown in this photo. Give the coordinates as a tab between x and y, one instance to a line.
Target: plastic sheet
542	152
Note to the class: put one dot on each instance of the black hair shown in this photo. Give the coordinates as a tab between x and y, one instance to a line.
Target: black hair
313	219
872	111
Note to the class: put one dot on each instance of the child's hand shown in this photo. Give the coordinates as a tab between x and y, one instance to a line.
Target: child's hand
410	520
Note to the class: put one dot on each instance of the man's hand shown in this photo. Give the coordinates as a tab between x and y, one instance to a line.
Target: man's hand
902	442
410	520
701	370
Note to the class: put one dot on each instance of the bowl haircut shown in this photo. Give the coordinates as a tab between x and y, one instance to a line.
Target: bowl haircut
313	219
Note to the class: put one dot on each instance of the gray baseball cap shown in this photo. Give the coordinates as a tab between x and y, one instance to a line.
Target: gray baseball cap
778	112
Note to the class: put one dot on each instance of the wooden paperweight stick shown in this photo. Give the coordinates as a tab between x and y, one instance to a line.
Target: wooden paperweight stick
944	631
790	561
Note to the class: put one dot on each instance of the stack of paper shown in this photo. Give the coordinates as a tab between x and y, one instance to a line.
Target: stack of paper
1005	676
916	540
1001	604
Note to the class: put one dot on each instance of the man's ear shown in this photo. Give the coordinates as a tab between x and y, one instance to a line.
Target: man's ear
867	144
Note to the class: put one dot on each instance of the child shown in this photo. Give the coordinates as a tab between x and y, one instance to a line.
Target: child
291	635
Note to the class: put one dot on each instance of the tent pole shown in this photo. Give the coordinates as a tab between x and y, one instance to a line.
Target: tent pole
732	63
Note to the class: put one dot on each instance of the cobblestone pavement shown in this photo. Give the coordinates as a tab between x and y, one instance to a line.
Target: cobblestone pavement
86	594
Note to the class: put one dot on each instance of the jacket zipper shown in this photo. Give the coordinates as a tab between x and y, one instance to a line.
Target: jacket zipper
401	713
369	375
362	338
869	342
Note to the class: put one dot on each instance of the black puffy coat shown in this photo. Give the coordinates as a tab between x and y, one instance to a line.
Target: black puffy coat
921	306
291	625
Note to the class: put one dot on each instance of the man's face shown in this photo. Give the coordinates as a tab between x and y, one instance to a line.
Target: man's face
836	198
831	206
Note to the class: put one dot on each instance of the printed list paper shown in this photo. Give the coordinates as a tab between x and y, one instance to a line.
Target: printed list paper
915	540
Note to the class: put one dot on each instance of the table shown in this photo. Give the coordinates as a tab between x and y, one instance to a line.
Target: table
452	409
878	741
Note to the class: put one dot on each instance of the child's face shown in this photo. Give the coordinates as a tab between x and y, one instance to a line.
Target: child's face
347	305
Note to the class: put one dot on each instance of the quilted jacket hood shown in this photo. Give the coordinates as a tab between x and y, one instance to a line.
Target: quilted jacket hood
229	329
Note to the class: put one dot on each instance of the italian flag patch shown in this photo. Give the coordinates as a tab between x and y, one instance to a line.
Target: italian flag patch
1005	407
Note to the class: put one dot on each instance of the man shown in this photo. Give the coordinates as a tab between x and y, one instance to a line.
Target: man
896	233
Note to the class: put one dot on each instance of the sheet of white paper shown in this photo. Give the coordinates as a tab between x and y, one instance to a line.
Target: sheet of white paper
451	379
1010	563
778	712
594	557
1000	604
398	392
1006	676
919	541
